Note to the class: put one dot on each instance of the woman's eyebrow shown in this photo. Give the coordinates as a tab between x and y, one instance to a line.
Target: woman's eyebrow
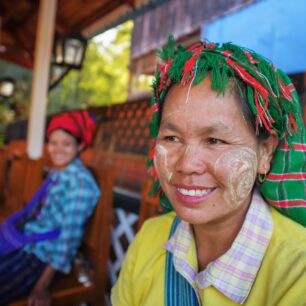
213	127
216	127
169	126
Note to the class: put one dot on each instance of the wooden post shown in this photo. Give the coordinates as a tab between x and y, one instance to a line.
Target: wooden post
43	48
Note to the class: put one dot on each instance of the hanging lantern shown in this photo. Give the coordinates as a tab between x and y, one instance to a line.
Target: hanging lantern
7	87
69	50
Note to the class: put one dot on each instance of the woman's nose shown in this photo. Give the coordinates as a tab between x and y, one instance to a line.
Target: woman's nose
191	161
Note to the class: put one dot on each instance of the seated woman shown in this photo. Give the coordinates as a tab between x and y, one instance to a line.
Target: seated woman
66	205
228	140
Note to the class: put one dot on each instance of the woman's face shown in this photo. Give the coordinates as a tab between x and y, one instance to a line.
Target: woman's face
63	148
206	155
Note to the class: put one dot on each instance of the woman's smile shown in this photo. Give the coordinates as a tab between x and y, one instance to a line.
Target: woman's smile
192	194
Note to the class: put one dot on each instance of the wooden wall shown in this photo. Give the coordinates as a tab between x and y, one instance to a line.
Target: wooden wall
181	18
123	139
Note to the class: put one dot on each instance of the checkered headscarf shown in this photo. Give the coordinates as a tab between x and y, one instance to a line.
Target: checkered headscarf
271	97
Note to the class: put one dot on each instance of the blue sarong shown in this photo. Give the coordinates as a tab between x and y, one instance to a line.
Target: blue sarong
19	271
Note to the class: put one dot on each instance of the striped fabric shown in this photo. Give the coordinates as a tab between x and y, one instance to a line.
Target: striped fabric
185	296
68	205
19	272
285	185
234	273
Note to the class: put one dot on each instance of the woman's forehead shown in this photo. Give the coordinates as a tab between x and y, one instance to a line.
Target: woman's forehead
201	99
60	134
203	90
199	107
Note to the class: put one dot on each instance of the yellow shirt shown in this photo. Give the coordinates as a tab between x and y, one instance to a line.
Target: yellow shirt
281	280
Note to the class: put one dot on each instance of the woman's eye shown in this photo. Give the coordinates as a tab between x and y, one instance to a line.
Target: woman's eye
171	138
214	141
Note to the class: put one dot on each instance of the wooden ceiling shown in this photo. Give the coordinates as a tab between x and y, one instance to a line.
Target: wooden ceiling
19	21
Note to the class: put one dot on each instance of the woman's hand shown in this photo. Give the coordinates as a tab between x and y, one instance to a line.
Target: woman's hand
40	295
39	298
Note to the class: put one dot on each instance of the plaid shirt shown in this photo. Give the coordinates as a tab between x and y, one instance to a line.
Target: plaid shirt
234	273
67	205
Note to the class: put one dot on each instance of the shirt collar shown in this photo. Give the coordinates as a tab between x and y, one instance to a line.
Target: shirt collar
71	168
233	273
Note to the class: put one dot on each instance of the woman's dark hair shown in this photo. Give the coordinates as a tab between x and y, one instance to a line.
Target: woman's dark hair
79	141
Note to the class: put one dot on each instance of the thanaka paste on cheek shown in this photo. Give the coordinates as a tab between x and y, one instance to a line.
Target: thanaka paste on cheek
161	151
243	165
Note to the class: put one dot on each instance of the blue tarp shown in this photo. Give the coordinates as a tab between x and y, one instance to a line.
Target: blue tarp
273	28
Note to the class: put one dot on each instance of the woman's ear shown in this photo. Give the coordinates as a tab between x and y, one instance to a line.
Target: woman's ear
80	147
266	152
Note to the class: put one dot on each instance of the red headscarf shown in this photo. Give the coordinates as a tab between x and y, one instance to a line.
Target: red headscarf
78	123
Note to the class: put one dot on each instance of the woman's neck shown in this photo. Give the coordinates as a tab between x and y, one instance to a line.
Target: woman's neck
213	240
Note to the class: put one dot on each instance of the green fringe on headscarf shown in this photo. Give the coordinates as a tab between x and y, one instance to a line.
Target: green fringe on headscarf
268	91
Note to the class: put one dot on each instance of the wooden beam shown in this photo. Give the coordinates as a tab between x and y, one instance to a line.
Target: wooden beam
18	58
62	25
20	32
33	2
6	13
98	14
24	39
130	3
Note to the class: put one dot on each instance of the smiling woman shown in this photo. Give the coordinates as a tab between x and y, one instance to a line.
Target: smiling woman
223	117
64	206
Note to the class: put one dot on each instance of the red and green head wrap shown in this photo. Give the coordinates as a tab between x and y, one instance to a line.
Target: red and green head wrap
271	98
78	123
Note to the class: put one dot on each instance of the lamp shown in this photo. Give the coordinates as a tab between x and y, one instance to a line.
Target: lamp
7	87
69	50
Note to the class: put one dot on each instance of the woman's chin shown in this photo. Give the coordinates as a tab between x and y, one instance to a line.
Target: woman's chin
60	164
193	215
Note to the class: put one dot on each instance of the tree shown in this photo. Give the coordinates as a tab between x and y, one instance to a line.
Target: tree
103	79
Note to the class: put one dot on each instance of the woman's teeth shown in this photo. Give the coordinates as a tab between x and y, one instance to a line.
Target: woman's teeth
194	192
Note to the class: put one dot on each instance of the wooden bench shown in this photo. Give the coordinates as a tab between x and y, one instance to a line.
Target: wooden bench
22	179
149	205
3	172
88	279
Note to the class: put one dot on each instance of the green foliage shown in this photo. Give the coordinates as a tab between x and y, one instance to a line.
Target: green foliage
23	78
17	106
142	82
103	79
